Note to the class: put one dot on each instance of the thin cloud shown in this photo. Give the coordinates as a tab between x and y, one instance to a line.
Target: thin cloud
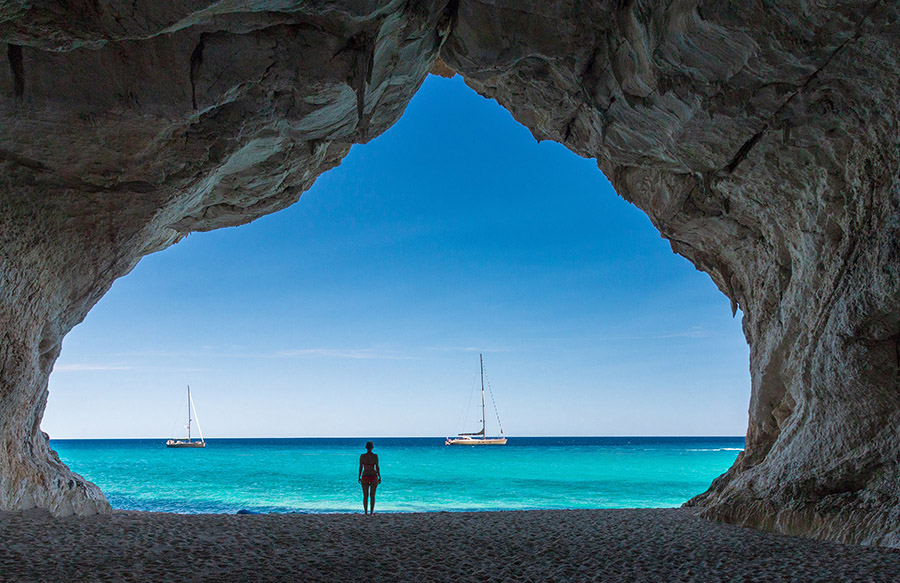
690	333
468	349
84	367
351	354
92	367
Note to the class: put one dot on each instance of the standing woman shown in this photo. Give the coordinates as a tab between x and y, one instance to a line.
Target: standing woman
369	477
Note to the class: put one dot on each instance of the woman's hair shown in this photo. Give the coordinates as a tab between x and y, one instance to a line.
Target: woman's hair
369	445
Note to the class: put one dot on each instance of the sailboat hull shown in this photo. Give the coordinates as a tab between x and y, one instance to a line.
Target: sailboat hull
475	441
188	442
174	443
479	437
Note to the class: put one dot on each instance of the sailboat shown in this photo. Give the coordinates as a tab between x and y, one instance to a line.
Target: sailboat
479	437
188	442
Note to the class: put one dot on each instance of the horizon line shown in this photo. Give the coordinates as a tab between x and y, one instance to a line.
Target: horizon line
383	437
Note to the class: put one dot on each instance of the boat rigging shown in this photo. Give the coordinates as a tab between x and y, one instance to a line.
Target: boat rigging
188	442
480	437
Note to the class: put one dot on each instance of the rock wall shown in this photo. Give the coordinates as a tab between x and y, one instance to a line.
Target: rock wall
762	141
760	138
124	127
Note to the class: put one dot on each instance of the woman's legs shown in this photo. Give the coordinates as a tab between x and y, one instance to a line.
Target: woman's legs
365	488
372	498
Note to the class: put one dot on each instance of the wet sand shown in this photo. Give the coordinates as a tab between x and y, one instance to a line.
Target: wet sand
658	545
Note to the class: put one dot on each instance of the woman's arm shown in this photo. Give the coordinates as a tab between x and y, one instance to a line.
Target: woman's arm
360	469
377	468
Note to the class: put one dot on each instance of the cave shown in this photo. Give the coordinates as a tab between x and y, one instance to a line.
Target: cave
760	138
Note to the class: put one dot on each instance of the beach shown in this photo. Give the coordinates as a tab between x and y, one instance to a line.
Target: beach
639	545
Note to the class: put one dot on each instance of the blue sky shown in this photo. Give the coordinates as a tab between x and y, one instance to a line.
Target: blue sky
361	310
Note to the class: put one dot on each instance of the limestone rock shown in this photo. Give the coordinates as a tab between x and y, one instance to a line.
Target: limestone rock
760	138
124	127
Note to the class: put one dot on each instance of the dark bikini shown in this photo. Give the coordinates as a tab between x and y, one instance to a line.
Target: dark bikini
369	476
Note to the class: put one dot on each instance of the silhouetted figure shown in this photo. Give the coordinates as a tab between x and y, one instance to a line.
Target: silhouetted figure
369	477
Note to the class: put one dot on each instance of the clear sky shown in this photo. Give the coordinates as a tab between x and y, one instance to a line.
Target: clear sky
361	310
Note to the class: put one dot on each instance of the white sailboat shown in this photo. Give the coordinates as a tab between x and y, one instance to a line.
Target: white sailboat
187	442
479	437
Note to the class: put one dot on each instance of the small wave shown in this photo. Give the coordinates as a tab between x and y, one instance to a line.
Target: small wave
719	449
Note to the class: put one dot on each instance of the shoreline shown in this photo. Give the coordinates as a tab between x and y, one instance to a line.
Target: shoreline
652	545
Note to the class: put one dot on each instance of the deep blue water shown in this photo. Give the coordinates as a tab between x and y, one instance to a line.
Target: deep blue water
419	474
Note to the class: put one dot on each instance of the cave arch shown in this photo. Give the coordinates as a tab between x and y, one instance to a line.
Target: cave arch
501	243
762	144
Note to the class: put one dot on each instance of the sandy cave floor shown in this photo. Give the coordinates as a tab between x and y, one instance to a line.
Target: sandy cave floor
657	545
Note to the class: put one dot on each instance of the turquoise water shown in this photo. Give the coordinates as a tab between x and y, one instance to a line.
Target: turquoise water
419	474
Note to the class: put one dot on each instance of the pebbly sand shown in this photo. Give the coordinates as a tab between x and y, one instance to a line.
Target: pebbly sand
657	545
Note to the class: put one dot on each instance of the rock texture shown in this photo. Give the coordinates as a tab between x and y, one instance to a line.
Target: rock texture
760	138
125	126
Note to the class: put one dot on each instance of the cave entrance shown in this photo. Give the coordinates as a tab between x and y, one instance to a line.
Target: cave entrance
357	311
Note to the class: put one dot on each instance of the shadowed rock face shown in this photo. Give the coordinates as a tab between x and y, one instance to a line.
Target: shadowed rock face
761	139
123	129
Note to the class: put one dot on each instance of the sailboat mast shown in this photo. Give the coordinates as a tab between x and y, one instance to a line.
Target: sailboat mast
481	360
189	412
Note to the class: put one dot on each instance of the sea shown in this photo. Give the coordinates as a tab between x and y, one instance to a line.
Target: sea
319	475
